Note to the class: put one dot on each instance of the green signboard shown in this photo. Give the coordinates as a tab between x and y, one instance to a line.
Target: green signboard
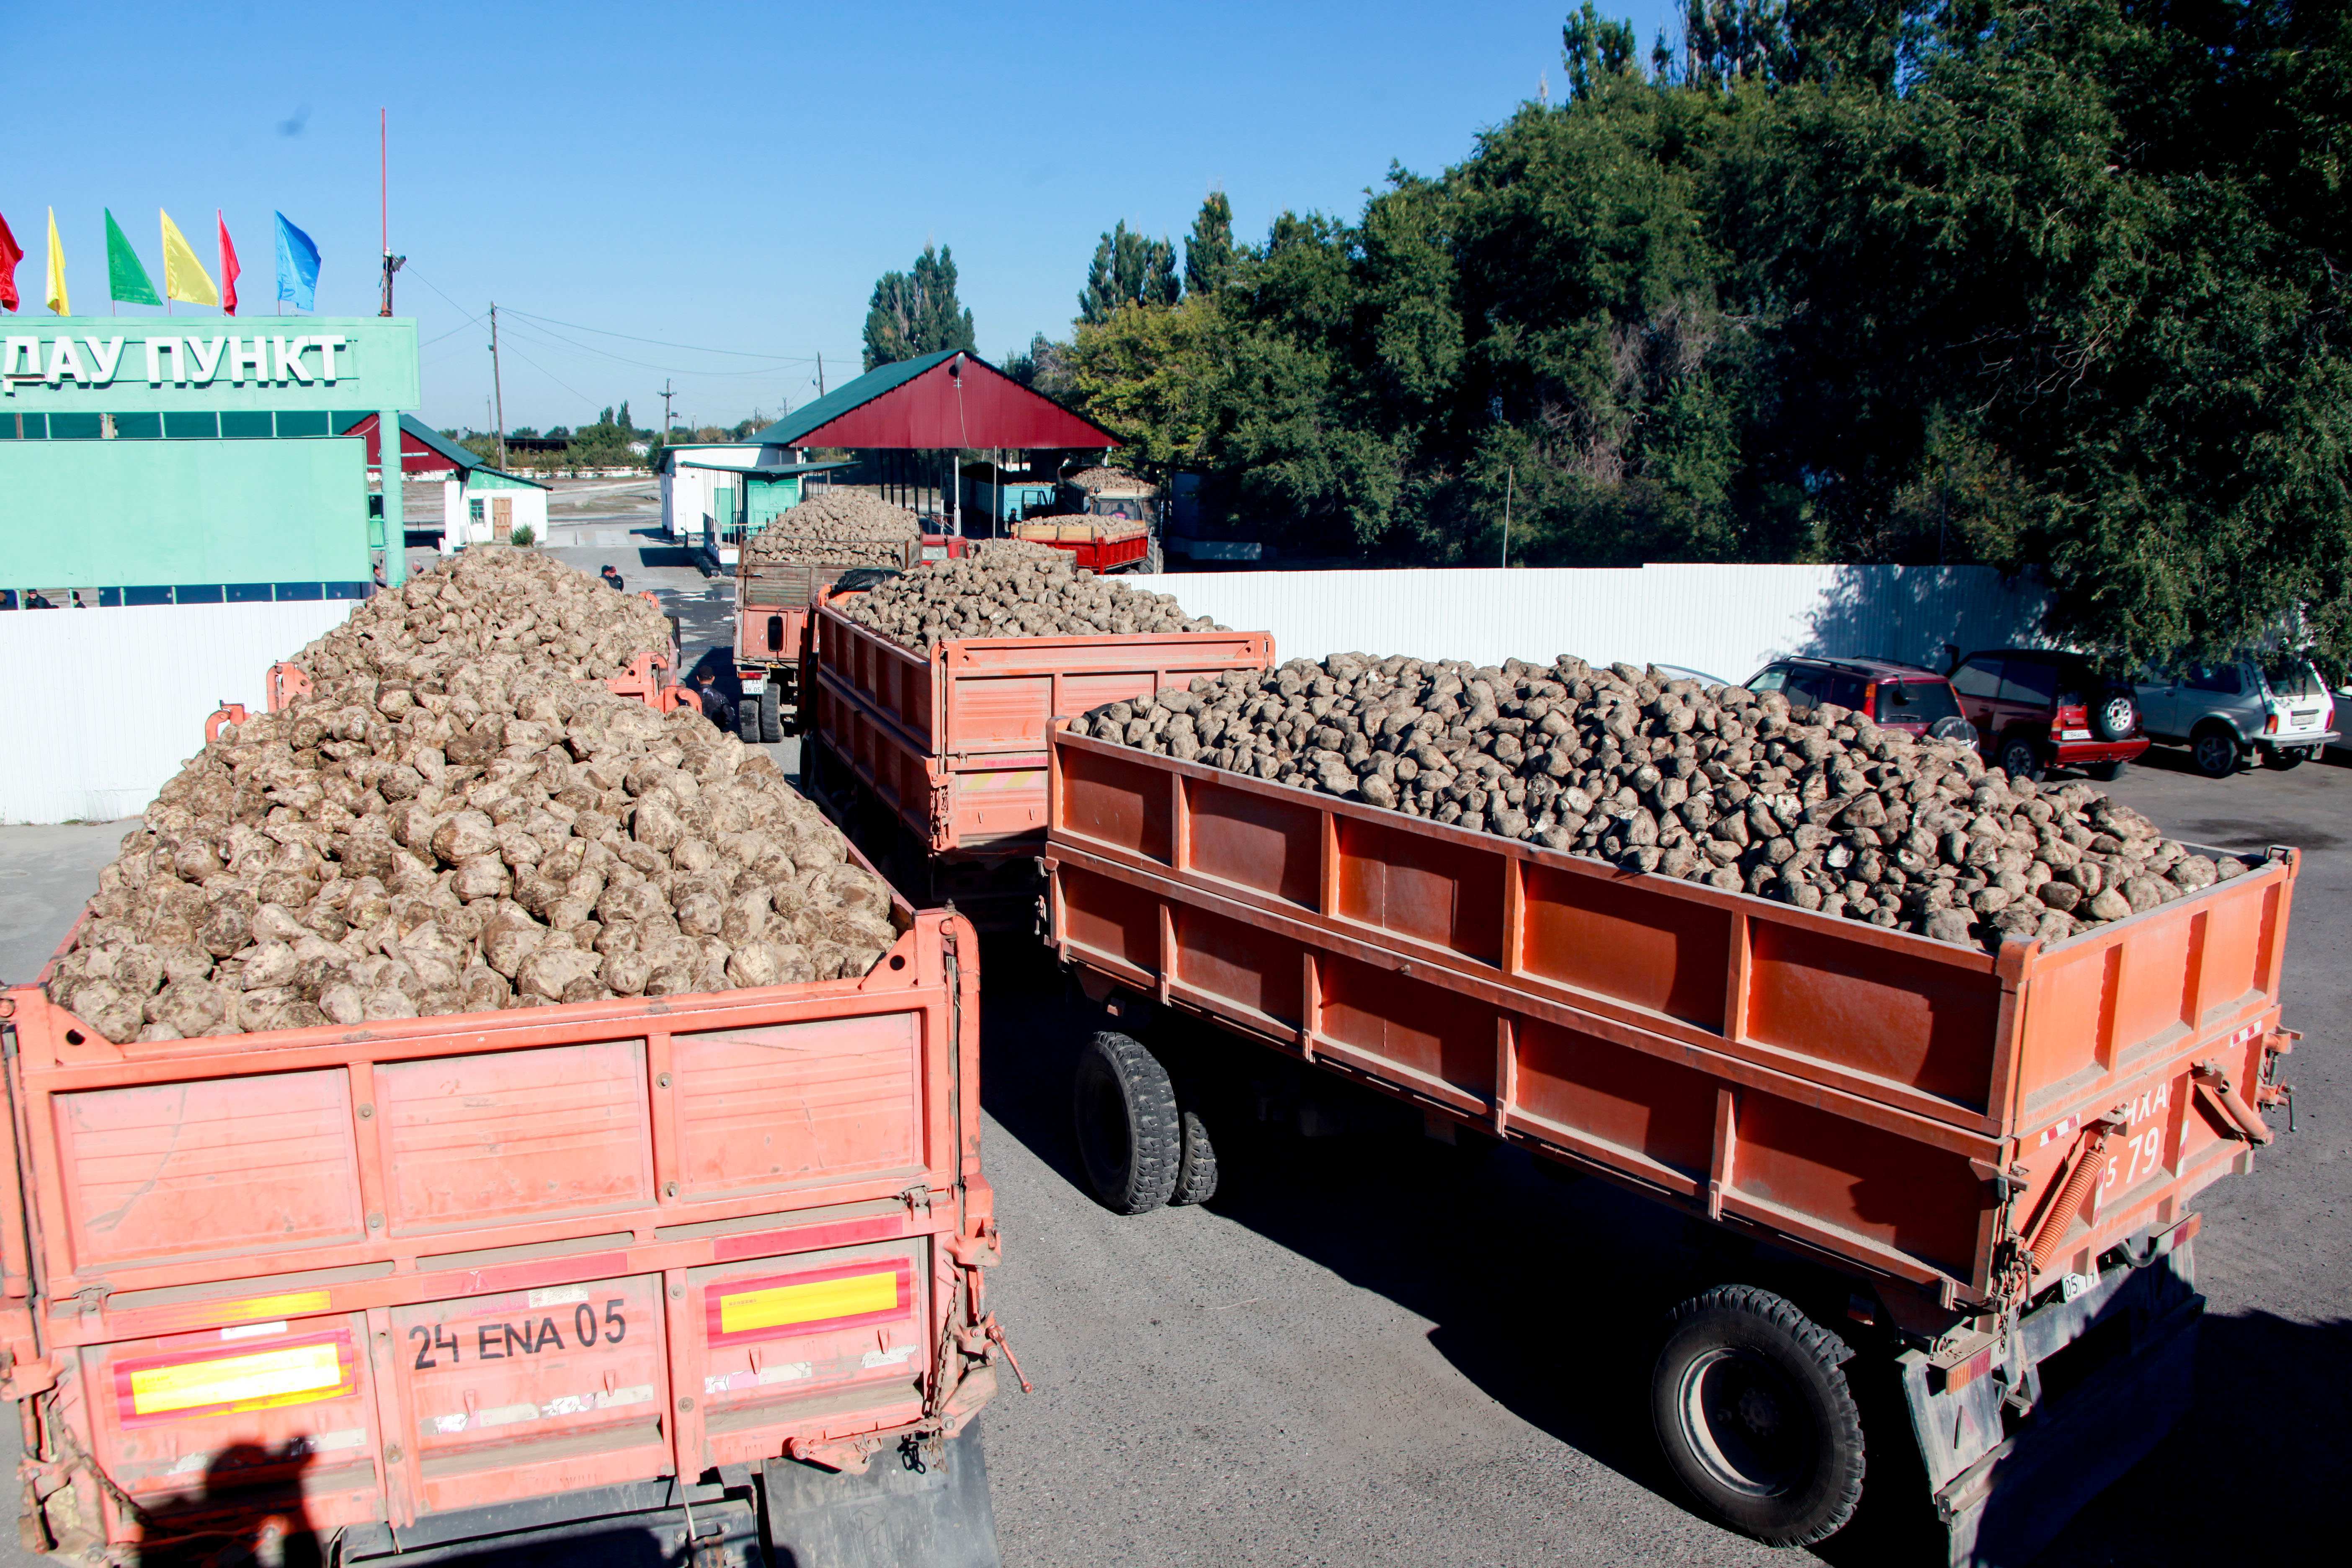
116	365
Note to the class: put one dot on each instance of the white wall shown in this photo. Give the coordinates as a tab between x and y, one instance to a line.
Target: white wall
108	703
1726	621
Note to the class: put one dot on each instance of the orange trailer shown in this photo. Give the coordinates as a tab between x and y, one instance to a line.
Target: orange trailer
509	1277
1979	1167
936	761
772	603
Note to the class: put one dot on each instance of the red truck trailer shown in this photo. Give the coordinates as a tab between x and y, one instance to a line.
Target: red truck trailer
680	1268
1100	545
936	761
1976	1171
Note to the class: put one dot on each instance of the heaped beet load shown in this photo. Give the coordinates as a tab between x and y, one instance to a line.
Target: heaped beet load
477	1105
932	695
783	568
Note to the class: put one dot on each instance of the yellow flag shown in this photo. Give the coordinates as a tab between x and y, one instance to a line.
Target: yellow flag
56	270
184	277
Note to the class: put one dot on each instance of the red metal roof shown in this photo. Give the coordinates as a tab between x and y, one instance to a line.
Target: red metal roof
958	401
422	450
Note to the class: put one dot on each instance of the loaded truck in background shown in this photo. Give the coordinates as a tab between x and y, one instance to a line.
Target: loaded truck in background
935	763
1945	1197
694	1275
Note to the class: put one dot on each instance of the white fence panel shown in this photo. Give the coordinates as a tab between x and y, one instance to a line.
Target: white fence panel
109	702
1725	621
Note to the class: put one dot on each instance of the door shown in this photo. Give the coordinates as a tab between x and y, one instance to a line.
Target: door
502	519
1977	683
2159	702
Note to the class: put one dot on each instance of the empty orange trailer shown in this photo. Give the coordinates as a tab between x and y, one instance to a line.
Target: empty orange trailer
1977	1169
936	761
508	1278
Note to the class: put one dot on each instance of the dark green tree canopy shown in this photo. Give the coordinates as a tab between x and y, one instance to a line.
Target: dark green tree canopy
1209	248
2053	285
1128	269
916	313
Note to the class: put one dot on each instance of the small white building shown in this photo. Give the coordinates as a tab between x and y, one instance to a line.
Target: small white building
715	494
480	504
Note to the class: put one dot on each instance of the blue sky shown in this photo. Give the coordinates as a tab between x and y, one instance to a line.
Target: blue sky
723	177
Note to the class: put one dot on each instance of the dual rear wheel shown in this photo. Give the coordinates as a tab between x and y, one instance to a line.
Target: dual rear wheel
1139	1145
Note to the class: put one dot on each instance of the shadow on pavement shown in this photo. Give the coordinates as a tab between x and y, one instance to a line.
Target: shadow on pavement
1547	1295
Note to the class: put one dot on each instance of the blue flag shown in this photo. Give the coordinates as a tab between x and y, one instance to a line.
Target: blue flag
298	267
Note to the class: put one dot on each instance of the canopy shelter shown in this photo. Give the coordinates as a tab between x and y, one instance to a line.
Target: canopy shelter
946	402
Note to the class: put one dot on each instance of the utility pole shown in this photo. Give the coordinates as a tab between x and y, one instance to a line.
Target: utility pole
820	373
1510	483
497	390
668	423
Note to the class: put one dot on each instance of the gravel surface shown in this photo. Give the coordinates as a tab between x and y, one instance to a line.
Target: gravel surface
1820	808
1013	588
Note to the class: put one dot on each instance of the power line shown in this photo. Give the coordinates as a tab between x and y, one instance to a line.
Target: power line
774	367
657	342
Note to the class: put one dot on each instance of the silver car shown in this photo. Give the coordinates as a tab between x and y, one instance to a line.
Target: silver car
2225	712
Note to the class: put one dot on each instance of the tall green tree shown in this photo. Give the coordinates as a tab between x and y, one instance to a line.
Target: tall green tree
1128	269
917	312
2048	285
1209	248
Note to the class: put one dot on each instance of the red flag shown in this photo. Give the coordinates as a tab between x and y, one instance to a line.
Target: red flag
228	268
11	253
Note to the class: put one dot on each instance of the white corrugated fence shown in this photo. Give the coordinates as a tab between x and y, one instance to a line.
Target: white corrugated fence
1724	621
108	703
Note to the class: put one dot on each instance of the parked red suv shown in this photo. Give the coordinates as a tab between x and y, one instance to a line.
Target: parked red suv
1898	696
2035	708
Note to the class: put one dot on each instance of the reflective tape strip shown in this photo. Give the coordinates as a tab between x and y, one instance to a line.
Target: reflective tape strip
315	1369
781	1305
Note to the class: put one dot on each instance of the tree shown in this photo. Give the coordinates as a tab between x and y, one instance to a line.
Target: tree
1209	248
2047	285
1128	269
623	420
917	313
1043	366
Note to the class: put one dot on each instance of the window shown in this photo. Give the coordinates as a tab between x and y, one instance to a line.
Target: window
1915	703
2220	677
1771	680
1804	687
1978	677
474	509
247	424
205	426
2031	682
1845	691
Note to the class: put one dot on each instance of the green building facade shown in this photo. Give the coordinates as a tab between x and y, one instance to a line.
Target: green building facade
153	459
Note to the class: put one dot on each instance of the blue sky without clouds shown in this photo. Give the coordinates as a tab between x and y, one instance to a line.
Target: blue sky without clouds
727	178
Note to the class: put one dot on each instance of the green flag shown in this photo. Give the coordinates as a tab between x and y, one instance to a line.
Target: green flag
127	281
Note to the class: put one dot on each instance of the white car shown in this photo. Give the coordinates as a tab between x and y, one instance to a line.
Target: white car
2224	713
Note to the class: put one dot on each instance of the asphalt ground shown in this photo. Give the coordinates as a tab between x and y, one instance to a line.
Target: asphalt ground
1367	1350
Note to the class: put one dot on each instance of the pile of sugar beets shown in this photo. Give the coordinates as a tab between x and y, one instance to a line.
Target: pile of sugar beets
837	528
1013	588
453	821
1820	808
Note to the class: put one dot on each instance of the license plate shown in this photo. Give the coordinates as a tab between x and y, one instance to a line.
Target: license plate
2074	734
2304	721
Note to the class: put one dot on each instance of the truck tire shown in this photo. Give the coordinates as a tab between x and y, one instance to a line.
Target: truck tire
772	727
747	721
1196	1166
1753	1409
1130	1140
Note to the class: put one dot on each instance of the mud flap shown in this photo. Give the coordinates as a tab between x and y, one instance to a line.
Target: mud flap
2006	1506
941	1516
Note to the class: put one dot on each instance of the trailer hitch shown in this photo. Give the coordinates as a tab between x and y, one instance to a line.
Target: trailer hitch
2237	1118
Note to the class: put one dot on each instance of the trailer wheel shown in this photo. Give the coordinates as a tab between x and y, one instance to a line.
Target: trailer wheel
1130	1141
772	727
1752	1408
1196	1168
